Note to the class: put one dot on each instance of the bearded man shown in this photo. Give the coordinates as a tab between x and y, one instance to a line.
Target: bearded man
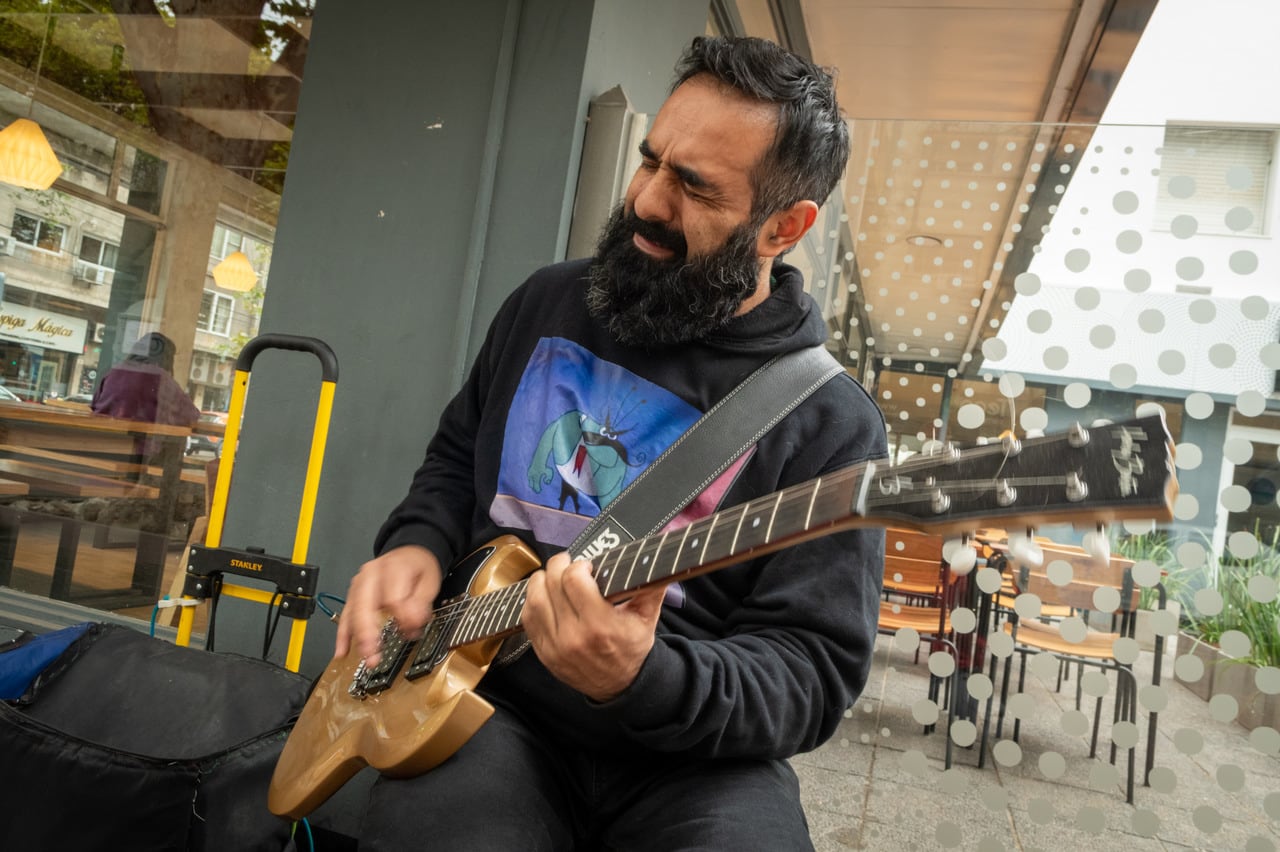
664	722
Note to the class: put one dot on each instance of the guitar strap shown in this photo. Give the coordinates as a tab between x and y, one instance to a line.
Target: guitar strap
706	449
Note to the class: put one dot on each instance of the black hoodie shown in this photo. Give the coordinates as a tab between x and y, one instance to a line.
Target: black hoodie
756	660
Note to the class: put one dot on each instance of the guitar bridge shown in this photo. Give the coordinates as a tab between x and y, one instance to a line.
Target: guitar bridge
394	648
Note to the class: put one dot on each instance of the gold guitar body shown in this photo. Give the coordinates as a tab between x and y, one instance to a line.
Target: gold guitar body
402	731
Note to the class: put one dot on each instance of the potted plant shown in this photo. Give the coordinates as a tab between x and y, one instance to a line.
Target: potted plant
1235	674
1154	547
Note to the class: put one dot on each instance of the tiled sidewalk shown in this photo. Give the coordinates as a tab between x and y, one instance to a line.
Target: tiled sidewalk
880	782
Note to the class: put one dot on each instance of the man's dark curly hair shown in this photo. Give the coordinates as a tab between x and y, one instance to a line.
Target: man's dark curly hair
811	148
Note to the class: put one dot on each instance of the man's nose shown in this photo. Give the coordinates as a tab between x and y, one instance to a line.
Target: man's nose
654	199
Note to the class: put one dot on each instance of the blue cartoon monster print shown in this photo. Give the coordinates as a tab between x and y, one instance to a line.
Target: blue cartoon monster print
578	431
589	456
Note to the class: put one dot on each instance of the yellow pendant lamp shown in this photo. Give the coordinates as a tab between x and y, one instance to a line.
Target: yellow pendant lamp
235	272
26	157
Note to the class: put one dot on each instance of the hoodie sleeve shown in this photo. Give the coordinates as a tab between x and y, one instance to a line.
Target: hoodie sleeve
796	646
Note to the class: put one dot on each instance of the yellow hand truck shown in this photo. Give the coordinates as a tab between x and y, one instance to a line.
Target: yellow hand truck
294	579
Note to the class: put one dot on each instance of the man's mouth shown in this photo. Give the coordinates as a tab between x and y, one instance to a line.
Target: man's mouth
654	250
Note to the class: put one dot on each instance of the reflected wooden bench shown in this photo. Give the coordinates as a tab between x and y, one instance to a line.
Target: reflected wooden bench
48	452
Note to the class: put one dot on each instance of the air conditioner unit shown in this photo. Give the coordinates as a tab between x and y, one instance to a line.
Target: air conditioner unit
6	245
199	371
98	331
88	273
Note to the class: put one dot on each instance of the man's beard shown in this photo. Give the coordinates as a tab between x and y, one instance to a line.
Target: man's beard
644	301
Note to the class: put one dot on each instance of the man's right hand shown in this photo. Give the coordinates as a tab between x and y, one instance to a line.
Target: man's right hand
402	583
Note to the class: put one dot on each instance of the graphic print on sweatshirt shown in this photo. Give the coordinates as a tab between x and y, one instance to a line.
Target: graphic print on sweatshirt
579	430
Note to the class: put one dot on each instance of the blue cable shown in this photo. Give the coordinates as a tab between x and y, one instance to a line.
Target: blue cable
320	599
311	841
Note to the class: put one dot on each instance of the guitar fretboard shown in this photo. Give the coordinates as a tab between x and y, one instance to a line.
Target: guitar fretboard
760	526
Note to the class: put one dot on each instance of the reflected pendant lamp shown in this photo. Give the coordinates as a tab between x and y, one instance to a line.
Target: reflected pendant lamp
235	272
26	158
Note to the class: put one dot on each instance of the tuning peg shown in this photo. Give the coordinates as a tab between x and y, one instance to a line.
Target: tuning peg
961	555
1025	551
1098	543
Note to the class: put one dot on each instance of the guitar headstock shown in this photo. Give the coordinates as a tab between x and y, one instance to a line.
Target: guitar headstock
1118	471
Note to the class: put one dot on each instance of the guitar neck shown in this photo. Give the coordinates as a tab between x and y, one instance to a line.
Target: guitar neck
1101	473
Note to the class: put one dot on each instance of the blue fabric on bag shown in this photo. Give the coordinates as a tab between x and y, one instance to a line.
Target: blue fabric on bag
23	664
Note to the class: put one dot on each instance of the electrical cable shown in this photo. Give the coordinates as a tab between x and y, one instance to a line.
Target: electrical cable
215	591
269	631
320	602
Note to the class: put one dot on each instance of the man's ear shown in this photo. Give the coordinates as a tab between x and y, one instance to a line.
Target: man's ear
784	229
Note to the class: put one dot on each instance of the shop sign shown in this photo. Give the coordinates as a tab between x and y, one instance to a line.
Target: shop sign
42	328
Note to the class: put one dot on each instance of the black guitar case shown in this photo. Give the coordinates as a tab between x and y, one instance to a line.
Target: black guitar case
123	741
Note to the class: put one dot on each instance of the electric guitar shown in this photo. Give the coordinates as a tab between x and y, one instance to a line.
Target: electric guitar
415	708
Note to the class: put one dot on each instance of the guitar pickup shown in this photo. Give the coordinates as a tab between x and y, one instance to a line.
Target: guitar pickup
394	648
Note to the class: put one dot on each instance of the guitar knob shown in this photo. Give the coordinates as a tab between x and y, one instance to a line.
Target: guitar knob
1098	544
1025	551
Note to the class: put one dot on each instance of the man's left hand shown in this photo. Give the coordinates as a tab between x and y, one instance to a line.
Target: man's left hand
592	645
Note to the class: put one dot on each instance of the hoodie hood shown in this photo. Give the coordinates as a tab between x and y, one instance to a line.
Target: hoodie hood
789	319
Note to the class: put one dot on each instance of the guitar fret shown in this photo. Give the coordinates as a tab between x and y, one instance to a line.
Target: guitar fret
702	557
675	562
648	559
742	516
808	516
769	531
604	572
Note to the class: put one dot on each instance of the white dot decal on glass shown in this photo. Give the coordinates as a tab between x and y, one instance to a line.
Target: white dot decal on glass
925	712
1102	336
1137	280
1202	311
1077	395
980	687
1009	753
1124	376
1251	403
963	620
1254	307
1207	602
1012	385
1075	723
1182	186
1077	260
1072	629
1125	202
1207	819
1154	698
971	416
1091	820
1184	227
1188	741
1239	177
1000	645
1198	405
1056	357
1188	668
1262	588
1129	242
1163	779
964	733
1238	451
1103	776
1027	284
994	349
1172	362
1188	456
1034	419
948	835
1106	599
1088	298
1224	708
1145	823
1243	545
1191	554
1189	268
1052	765
1269	355
1222	355
1151	320
1234	643
1059	572
1186	507
1265	740
1238	218
1243	262
941	664
906	638
1267	679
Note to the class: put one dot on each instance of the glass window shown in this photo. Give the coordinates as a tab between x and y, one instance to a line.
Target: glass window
1218	176
37	232
101	252
215	313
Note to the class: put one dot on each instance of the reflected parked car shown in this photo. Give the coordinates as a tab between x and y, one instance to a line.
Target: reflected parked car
7	395
208	444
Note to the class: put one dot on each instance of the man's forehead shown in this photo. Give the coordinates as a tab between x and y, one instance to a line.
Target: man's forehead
712	123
